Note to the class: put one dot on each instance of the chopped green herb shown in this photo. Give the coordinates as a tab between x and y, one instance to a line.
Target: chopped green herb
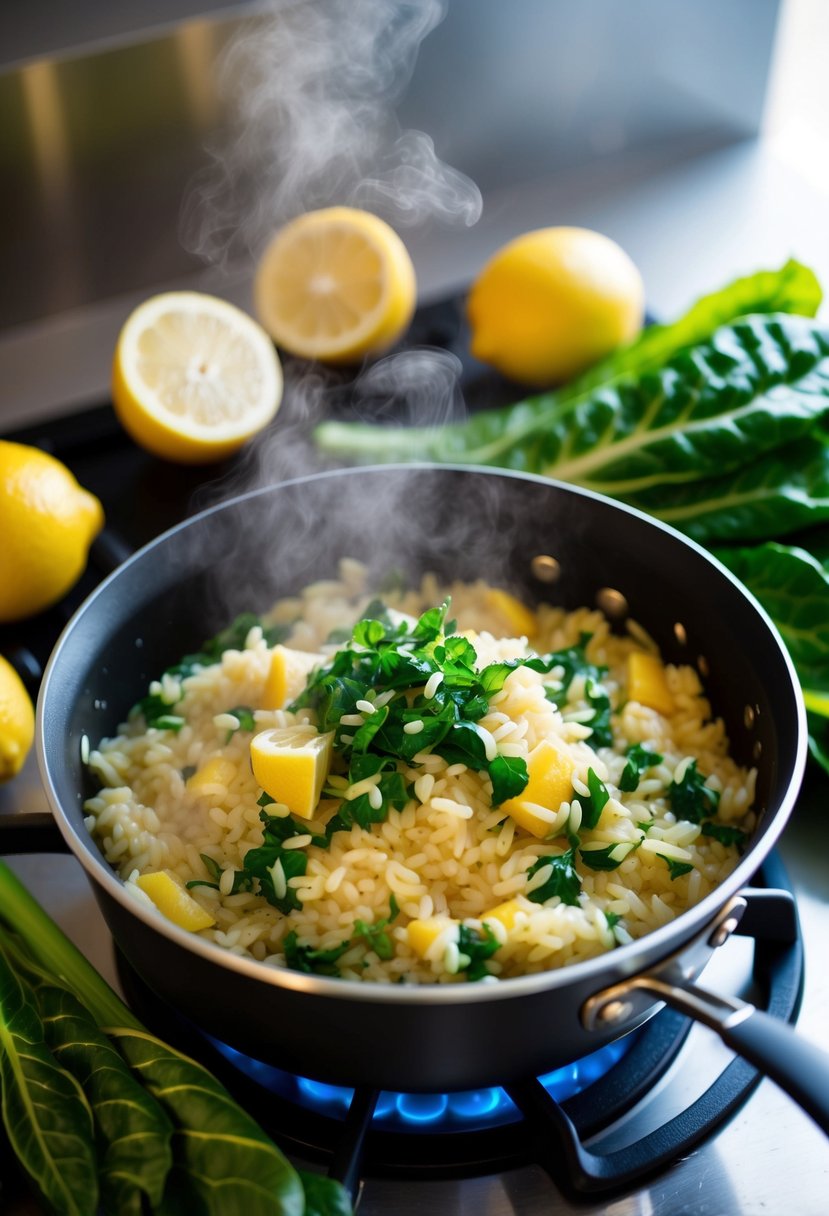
509	778
264	799
214	870
610	857
157	712
172	722
401	657
188	771
244	713
310	960
375	934
271	866
596	697
562	881
593	805
690	798
612	919
337	636
474	948
724	833
676	868
639	760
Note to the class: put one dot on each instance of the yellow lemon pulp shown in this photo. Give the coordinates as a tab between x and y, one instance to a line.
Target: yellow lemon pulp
648	684
335	285
17	722
422	934
291	764
47	523
552	302
287	675
174	902
519	618
550	783
194	377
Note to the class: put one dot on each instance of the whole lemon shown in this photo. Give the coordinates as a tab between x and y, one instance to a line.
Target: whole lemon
552	302
17	722
47	523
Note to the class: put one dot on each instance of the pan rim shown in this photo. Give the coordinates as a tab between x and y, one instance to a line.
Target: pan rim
625	960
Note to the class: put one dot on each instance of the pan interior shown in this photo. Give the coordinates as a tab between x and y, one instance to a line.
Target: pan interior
459	524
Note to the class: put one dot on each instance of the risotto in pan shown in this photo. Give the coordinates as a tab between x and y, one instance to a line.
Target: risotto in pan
439	786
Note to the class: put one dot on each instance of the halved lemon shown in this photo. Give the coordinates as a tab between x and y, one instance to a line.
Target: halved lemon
194	377
335	285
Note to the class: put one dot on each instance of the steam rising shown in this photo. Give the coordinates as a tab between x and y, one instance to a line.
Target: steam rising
311	88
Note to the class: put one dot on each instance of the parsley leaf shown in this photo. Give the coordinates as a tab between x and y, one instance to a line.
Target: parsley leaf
474	948
690	798
612	919
562	880
639	760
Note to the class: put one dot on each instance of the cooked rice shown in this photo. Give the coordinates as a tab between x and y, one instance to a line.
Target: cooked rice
448	852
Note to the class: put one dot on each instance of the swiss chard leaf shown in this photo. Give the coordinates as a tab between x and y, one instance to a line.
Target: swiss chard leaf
639	760
513	436
133	1133
562	881
751	387
770	497
46	1116
223	1161
324	1196
691	799
793	587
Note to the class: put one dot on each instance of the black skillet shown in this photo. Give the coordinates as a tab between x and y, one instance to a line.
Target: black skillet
459	523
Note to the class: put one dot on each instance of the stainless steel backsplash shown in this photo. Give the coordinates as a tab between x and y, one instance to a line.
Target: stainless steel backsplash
98	143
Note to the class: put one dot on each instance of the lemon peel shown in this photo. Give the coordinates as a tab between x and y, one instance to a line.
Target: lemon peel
17	722
47	523
552	302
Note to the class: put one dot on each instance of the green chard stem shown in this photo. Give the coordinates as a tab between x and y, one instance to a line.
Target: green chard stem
54	951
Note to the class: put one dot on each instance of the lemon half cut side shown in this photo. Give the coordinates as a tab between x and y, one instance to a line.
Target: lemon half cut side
194	377
335	285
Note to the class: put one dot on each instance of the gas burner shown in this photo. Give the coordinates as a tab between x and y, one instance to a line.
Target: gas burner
365	1133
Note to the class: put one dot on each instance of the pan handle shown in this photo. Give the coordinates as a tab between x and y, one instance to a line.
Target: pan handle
798	1066
771	1045
30	832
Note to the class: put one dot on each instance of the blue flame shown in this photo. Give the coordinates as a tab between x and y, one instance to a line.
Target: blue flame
466	1111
